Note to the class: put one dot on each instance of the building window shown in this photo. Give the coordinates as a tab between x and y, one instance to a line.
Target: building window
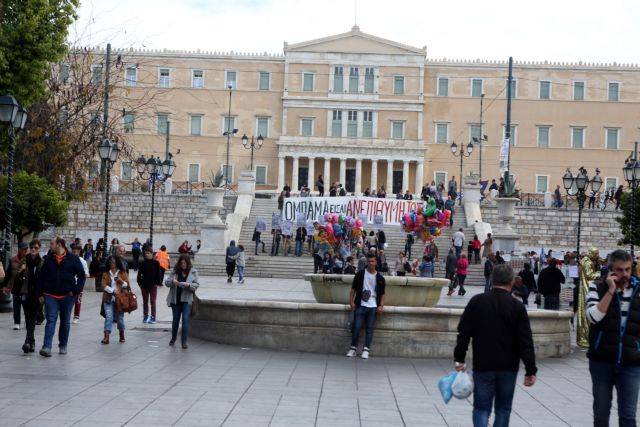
94	169
129	122
544	132
227	172
161	123
514	88
264	80
306	127
398	85
442	133
476	88
198	79
614	91
545	89
610	184
577	137
612	136
354	76
65	71
368	80
397	130
261	175
367	124
195	126
443	86
230	79
578	91
474	132
338	79
440	177
262	126
542	183
164	80
228	124
336	123
127	171
307	82
194	172
352	123
96	74
131	76
513	136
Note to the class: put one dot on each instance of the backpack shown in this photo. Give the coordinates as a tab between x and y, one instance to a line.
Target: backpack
343	192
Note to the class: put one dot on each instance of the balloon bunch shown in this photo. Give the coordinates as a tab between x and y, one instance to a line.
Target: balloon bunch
339	232
428	222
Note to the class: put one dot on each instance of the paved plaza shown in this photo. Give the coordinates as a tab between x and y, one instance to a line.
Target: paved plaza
146	382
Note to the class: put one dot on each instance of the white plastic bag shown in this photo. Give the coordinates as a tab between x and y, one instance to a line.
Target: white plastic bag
462	386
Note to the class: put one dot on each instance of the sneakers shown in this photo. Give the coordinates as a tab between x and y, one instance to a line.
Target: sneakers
241	282
26	348
145	319
76	320
365	353
16	326
351	352
46	352
63	350
152	320
172	342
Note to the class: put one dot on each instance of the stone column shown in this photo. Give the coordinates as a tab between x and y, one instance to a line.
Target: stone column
327	175
343	171
280	173
312	171
294	175
358	188
390	178
405	175
419	178
374	175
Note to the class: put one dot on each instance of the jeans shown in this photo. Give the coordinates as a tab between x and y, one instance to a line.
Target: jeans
363	314
240	272
149	295
180	309
626	379
111	313
299	245
458	250
487	386
275	246
487	284
53	308
461	278
258	241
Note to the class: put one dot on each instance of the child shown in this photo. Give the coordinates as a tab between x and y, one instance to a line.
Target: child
426	267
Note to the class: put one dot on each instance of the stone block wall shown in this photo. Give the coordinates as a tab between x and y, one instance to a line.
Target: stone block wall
557	228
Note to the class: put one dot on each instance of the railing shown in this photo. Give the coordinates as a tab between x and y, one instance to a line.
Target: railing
144	186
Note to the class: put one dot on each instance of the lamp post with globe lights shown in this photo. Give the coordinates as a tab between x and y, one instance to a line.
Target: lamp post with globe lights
577	186
155	170
462	154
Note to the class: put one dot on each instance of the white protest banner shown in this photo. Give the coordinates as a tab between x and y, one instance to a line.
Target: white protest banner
261	224
378	221
364	218
392	210
287	228
310	228
276	221
301	219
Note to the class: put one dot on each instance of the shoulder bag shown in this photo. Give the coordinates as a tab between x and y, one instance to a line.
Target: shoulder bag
126	301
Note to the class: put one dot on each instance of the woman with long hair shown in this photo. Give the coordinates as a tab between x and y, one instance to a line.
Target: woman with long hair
182	284
114	280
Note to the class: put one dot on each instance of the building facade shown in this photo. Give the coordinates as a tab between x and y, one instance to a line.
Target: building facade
369	112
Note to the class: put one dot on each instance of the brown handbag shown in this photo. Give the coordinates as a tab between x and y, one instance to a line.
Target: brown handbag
126	301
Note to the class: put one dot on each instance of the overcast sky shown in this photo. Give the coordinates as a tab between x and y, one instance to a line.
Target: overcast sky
556	30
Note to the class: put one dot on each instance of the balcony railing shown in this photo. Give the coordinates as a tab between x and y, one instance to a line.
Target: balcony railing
144	186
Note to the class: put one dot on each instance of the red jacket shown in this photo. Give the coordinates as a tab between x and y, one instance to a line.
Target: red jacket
462	266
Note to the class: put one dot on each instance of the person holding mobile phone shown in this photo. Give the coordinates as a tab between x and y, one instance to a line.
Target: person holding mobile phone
182	284
613	310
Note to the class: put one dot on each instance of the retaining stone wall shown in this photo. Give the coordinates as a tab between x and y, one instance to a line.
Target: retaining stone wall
557	228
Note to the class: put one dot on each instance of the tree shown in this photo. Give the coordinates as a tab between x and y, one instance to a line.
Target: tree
630	216
36	204
33	35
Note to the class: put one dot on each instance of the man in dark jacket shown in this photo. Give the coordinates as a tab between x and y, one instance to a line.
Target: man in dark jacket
488	269
60	279
366	299
232	250
301	235
613	310
150	276
499	327
15	281
450	267
550	281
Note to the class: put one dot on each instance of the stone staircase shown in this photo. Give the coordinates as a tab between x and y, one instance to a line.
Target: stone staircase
264	265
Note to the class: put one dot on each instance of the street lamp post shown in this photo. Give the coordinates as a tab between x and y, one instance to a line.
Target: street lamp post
16	117
156	170
229	131
579	184
481	137
462	154
631	171
252	145
108	152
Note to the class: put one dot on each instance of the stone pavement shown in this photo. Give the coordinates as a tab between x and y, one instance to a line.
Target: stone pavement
146	382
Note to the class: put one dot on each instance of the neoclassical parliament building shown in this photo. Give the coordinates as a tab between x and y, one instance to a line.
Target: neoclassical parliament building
369	112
